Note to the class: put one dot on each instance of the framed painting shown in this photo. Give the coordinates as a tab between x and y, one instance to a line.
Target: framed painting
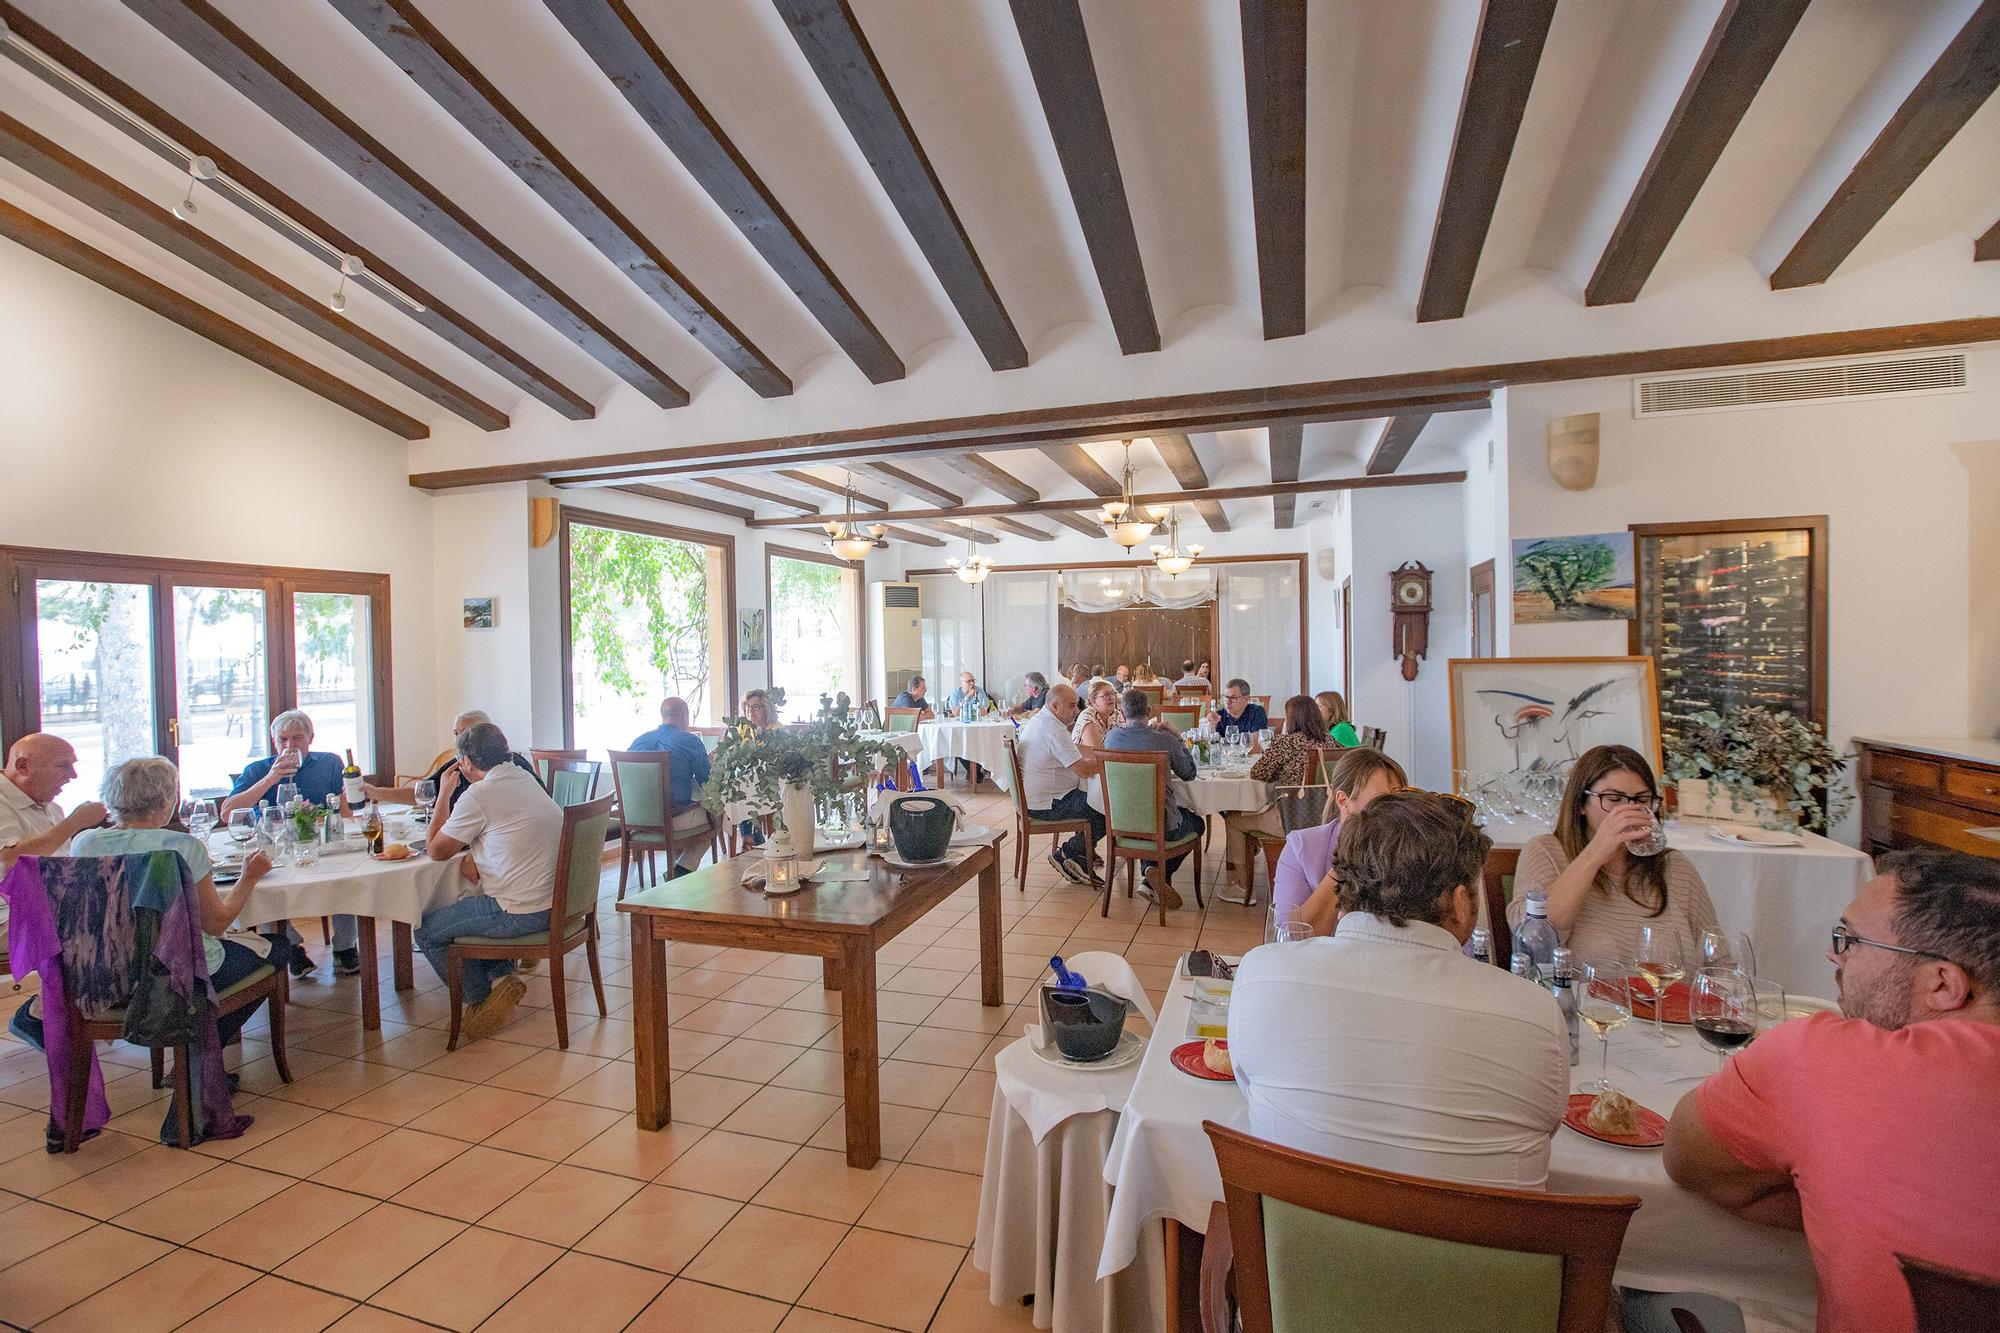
750	635
1516	714
482	612
1560	579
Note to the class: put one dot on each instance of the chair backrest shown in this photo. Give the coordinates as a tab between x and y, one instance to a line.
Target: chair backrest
579	862
1157	693
1191	693
1374	738
574	781
710	737
901	719
1263	701
1326	1244
1015	782
1950	1301
641	781
1301	807
1493	886
545	760
1134	786
1177	719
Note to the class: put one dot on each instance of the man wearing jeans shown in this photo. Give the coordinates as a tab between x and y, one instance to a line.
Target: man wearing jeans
1053	772
511	831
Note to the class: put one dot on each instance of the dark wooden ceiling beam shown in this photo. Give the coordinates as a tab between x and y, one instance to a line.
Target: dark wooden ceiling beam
910	483
56	166
1082	469
1274	85
831	39
1073	505
1287	446
962	531
619	44
1212	515
1956	85
1392	446
982	471
1177	452
691	500
832	488
439	318
762	493
74	255
229	53
1077	523
1504	58
1028	530
1988	245
401	32
914	537
1058	50
1742	47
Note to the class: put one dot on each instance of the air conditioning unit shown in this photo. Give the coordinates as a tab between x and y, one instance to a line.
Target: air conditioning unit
895	639
1890	375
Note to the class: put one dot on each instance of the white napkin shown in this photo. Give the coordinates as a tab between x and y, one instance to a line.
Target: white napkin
1110	972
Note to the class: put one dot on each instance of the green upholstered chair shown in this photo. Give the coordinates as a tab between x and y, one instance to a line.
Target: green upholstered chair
1496	886
646	825
572	920
1133	784
546	760
901	719
1027	826
1322	1244
573	781
1177	719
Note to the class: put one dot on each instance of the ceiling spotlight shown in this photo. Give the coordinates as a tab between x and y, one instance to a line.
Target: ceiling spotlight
199	169
350	267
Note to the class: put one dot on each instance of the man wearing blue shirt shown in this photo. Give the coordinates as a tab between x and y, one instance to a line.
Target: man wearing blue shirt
687	772
317	774
1237	712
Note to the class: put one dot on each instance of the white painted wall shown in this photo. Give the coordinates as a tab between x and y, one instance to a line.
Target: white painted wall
121	432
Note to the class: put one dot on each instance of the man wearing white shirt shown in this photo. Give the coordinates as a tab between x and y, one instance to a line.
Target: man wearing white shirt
1385	1045
1052	773
512	831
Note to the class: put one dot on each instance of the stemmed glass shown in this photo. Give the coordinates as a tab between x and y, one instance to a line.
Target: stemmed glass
1773	1007
426	794
199	816
1659	960
242	826
270	820
1724	1009
1606	1003
1728	948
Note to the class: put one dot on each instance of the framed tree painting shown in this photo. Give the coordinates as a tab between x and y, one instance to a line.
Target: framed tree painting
1559	579
1517	714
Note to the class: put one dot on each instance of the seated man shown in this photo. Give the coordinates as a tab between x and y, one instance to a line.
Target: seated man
1037	686
1855	1128
913	697
1189	676
968	694
1237	712
1053	772
1141	732
317	775
39	766
446	780
687	772
512	831
1385	1045
1123	676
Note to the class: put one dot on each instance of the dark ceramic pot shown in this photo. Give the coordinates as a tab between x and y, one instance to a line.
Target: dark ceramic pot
921	827
1086	1024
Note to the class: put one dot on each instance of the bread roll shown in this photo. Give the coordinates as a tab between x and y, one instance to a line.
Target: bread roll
395	851
1215	1054
1613	1113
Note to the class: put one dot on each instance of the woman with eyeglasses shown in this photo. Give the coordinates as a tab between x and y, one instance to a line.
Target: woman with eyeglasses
1599	893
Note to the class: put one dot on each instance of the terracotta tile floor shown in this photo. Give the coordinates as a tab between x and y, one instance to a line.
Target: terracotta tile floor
504	1185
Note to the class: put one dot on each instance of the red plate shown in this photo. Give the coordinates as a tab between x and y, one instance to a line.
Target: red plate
1187	1059
1677	1003
1652	1126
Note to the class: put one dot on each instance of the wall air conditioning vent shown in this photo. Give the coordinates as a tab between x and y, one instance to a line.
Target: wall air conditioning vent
900	595
1898	375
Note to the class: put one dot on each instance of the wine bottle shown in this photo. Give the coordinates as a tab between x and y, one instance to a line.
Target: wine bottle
350	782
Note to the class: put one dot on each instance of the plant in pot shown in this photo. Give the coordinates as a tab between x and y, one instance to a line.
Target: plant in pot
1759	765
793	769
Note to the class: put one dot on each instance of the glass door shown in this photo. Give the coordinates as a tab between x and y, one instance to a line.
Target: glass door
332	646
221	685
94	659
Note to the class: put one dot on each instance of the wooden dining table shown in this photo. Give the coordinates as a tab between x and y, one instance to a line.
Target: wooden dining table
843	923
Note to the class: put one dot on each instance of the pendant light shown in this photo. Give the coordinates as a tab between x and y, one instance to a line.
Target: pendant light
848	540
974	568
1124	521
1171	559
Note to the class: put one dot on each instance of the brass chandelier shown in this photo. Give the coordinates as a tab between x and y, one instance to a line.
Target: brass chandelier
1124	521
848	540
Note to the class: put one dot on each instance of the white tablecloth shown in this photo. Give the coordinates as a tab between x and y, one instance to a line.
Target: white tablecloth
984	743
909	742
1217	791
1786	898
1161	1165
352	882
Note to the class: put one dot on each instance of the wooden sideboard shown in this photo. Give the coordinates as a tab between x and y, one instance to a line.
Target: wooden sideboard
1928	793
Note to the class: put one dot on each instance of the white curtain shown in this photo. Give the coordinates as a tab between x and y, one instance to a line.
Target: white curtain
1259	624
948	615
1192	589
1098	590
1020	630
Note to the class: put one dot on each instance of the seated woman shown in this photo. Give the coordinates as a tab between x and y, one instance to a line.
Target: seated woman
1304	884
143	795
1292	761
757	711
1098	715
1333	712
1599	894
1144	675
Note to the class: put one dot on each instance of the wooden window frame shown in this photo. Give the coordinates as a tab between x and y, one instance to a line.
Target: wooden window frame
19	638
566	517
771	552
1481	578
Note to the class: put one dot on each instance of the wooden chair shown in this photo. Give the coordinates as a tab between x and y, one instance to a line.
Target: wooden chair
1263	701
1374	738
410	779
1298	807
1178	720
1191	694
1950	1301
1326	1244
572	921
544	761
646	825
1134	788
1027	826
1493	891
1157	694
901	719
573	781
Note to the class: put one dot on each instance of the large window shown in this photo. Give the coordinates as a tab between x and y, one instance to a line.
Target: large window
125	656
648	611
815	630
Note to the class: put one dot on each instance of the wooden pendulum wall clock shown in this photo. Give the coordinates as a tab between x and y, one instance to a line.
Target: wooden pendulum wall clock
1410	604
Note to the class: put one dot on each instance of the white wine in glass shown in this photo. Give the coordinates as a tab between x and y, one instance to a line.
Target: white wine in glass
1606	1003
1659	961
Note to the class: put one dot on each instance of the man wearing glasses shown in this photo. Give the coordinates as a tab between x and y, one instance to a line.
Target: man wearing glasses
1238	712
1856	1128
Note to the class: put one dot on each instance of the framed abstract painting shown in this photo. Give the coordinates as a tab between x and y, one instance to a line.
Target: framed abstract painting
1517	714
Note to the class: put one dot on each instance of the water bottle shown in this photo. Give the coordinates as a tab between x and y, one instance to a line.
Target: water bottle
1480	947
1537	938
1522	964
1562	980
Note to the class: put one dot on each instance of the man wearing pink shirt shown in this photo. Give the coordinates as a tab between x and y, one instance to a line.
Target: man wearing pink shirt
1867	1130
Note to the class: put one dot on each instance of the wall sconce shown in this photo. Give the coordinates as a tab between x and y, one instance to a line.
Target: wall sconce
1573	449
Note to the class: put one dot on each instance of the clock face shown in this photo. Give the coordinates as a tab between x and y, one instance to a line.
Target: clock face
1410	592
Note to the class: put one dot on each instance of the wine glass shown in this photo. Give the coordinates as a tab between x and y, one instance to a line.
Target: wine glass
288	794
426	794
1660	961
1606	1003
1723	1006
1772	1005
242	826
1292	931
201	819
1281	920
270	820
1728	948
